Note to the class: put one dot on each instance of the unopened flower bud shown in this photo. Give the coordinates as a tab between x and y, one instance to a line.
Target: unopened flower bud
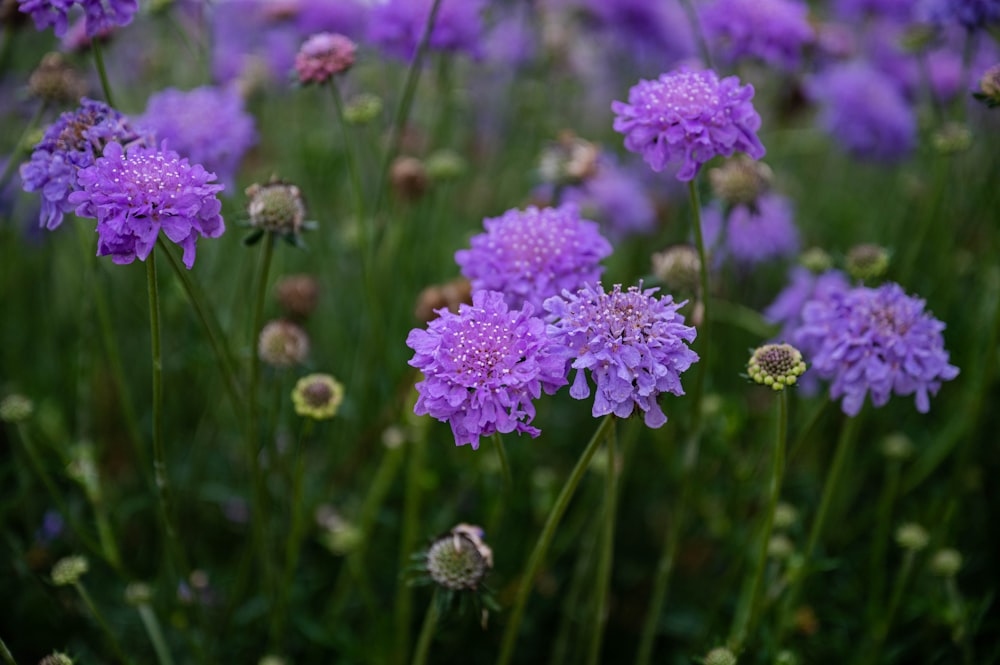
946	562
283	344
323	55
297	295
720	656
362	109
445	165
69	570
408	177
56	82
276	207
740	180
867	261
271	659
56	658
776	365
989	87
569	161
952	138
786	657
912	536
460	559
16	409
785	515
678	268
780	546
816	260
82	468
138	593
317	396
897	446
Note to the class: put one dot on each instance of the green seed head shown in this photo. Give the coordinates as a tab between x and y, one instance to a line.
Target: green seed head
276	207
952	138
946	562
16	409
776	365
816	260
720	656
362	109
897	447
785	515
741	180
460	559
138	593
317	396
912	536
867	261
445	165
56	658
678	267
69	570
780	546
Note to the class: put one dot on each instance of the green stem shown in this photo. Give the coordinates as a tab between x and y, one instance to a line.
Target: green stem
6	49
352	162
95	45
699	34
427	632
873	652
102	623
545	538
106	537
411	518
152	626
876	567
844	446
8	657
504	465
746	619
14	159
606	554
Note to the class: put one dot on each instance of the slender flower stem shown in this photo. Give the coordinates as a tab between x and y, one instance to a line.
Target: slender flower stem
870	655
403	109
6	48
545	539
411	517
844	446
876	567
504	465
95	45
103	624
692	17
747	617
352	161
8	657
152	626
427	632
14	159
606	554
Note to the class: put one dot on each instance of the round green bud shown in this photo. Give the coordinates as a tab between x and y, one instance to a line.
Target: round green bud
459	559
69	570
780	546
138	593
276	207
445	165
946	562
740	180
363	109
56	658
785	515
952	138
776	365
897	447
912	536
720	656
816	260
16	409
867	261
317	396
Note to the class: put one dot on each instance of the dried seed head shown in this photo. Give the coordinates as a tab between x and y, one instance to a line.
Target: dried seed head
450	294
678	268
16	409
69	570
460	559
569	161
409	177
276	207
56	82
297	295
946	562
776	365
317	396
283	344
740	180
989	84
720	656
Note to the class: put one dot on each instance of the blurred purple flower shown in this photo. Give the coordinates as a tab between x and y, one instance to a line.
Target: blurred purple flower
253	35
208	125
100	15
135	195
323	55
901	10
864	111
773	31
656	29
51	528
483	367
512	41
617	197
634	345
46	13
397	26
347	17
531	254
803	285
752	234
971	14
69	144
876	340
688	116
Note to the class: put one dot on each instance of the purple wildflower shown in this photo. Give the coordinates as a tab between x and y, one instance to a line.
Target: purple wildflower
105	15
657	29
688	116
865	111
803	285
69	144
483	367
632	343
618	198
46	13
136	194
753	233
323	55
901	10
971	14
253	38
774	31
876	340
532	254
397	26
208	125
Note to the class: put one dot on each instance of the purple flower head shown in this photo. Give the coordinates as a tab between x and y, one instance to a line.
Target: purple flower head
901	10
634	345
348	17
105	15
656	29
773	31
134	195
865	111
803	285
531	254
323	55
397	26
971	14
69	144
208	125
752	234
690	117
46	13
253	38
876	340
483	367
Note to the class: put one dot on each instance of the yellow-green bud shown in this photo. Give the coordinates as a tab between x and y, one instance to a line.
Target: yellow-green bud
946	562
317	396
816	260
362	109
785	515
56	658
897	446
740	180
776	365
952	138
445	165
912	536
69	570
867	261
780	546
16	409
720	656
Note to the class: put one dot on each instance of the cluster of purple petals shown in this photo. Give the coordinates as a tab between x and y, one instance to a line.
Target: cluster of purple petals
901	10
617	198
864	111
397	26
323	55
100	15
484	366
773	31
208	125
69	144
878	341
971	14
689	117
751	234
531	254
803	285
657	29
135	195
634	345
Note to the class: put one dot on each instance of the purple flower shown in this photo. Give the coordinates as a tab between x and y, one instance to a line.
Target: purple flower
69	144
136	194
618	198
659	30
865	111
104	15
774	31
483	367
208	125
632	343
971	14
858	9
876	340
752	234
323	55
688	116
45	13
529	255
803	285
397	26
253	37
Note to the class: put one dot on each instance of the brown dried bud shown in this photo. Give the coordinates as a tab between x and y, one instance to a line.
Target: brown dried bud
741	180
55	81
297	295
450	294
409	177
283	344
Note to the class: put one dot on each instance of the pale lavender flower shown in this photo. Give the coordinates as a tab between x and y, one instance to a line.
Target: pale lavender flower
484	366
635	346
531	254
69	144
751	234
901	10
971	14
135	195
864	111
690	117
658	31
878	341
323	55
208	125
104	15
397	26
773	31
803	285
618	198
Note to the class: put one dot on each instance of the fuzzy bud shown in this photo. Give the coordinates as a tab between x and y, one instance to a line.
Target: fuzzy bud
952	138
912	536
56	82
16	409
69	570
271	659
569	161
785	515
445	165
720	656
816	260
283	344
867	261
460	559
776	365
786	657
298	295
780	546
276	207
740	180
946	562
897	447
678	268
138	593
408	177
324	55
56	658
989	86
317	396
362	109
82	468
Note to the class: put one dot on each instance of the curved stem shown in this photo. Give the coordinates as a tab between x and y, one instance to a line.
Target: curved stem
14	157
109	635
427	632
545	538
8	657
95	45
152	626
411	518
606	553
